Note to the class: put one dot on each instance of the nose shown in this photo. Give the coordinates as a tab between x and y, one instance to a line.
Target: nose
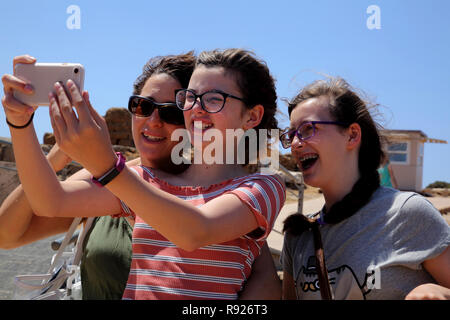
197	106
297	143
154	120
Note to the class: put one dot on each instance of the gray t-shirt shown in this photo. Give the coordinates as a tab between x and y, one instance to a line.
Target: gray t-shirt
376	253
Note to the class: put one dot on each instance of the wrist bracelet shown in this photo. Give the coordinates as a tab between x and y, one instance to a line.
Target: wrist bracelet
21	127
112	173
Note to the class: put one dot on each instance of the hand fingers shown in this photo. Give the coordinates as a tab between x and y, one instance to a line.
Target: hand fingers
26	58
11	104
54	126
58	124
98	118
78	101
65	107
11	83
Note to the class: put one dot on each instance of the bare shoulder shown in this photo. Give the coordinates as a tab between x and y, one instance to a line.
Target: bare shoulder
134	162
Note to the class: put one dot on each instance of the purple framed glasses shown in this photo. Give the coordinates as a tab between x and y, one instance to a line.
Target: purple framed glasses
304	132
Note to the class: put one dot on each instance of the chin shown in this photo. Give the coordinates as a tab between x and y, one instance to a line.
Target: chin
313	180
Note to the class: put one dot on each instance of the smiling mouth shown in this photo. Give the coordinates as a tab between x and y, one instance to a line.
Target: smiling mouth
199	125
308	161
151	138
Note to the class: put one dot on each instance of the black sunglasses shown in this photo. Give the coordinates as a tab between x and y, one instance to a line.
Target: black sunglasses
144	107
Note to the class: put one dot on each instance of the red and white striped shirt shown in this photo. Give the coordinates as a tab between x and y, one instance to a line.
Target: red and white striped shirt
160	270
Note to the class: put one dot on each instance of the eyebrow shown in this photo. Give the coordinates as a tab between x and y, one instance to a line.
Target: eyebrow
154	100
211	90
301	123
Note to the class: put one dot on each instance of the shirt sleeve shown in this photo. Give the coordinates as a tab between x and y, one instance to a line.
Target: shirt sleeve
125	211
265	196
421	233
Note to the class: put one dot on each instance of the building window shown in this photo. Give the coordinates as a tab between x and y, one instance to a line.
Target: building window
420	157
398	152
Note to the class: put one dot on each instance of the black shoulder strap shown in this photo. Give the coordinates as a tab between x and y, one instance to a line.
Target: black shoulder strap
322	273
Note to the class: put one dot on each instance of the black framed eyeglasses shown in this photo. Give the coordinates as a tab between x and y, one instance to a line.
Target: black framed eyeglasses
144	107
304	132
211	101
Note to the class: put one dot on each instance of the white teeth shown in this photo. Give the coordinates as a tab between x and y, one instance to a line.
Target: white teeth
308	156
153	138
200	125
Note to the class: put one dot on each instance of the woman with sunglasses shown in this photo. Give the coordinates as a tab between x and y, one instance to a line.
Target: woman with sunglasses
378	243
107	252
239	206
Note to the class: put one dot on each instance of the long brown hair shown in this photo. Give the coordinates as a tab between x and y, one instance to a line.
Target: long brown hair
346	106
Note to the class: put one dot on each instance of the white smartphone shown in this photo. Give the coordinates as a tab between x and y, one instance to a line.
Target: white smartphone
43	76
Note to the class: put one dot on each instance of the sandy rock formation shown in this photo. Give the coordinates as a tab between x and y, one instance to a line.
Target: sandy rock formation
119	125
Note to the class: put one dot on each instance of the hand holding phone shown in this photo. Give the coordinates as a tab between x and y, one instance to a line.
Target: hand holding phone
17	112
43	76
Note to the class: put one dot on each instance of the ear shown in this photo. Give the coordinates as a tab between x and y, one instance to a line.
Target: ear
253	117
354	136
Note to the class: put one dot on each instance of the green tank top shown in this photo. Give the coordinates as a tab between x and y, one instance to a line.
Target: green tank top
106	259
385	177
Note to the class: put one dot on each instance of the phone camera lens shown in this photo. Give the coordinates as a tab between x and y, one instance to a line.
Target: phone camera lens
75	70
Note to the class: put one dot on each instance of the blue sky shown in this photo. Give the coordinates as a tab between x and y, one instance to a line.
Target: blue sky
404	66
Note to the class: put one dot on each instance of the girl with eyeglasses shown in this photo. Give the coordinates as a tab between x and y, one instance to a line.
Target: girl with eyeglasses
197	234
378	243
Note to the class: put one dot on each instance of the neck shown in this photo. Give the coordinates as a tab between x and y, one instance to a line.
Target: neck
207	174
340	185
166	166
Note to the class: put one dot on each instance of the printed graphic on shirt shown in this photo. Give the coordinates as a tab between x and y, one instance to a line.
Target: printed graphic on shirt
343	281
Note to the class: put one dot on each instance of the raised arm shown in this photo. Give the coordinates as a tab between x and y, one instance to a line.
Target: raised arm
20	226
46	194
86	139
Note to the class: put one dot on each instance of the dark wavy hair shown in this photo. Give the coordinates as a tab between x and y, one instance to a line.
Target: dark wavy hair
346	106
180	67
253	78
255	82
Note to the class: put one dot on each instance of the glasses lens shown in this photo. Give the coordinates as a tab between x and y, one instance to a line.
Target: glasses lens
213	101
141	107
306	131
171	114
184	99
285	140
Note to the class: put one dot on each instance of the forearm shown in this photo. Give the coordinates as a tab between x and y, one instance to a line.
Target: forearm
19	226
171	216
15	217
39	181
